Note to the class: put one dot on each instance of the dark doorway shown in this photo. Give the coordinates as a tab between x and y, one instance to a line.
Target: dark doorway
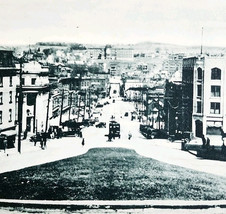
199	128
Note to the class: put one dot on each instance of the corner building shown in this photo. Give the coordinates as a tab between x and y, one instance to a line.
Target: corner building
208	95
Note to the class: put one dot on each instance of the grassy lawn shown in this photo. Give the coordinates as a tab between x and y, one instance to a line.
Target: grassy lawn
110	174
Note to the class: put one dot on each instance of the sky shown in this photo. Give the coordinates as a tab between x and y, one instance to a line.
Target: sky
113	21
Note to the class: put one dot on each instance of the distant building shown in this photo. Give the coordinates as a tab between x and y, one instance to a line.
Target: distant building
7	96
173	64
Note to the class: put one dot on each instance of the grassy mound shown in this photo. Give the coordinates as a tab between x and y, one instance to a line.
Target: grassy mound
110	174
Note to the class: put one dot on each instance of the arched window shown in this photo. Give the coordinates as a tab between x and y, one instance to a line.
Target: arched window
215	74
199	73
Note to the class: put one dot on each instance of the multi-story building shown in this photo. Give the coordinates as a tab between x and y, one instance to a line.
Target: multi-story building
7	96
35	89
187	93
173	64
206	94
209	114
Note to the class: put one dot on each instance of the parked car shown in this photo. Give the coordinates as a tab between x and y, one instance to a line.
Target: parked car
101	125
159	134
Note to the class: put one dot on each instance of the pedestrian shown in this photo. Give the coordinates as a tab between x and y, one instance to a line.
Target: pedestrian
208	142
5	143
129	135
44	137
83	141
25	134
110	137
203	141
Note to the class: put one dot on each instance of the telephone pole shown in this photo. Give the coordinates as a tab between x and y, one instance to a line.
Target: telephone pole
47	113
20	106
61	109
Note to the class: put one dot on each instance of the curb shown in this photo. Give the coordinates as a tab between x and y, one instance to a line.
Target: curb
87	204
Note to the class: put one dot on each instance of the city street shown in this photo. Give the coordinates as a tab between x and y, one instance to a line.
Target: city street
158	149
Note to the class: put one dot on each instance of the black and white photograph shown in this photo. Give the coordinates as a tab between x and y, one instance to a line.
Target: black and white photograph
111	106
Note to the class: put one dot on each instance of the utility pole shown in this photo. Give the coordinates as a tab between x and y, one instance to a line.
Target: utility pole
62	104
159	111
69	116
89	103
20	107
47	113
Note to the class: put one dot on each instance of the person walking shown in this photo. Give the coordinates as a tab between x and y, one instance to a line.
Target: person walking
44	138
129	135
83	141
5	143
25	134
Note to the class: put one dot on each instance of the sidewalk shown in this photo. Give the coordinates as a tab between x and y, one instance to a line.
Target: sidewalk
31	155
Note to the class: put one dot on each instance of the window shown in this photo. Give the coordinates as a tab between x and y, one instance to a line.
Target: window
215	91
199	90
10	97
199	74
199	107
214	108
22	81
1	81
10	81
33	80
10	115
215	74
1	98
0	117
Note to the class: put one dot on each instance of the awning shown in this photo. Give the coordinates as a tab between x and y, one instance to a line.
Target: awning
8	133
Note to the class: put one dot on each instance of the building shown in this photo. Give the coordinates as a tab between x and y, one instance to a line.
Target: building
205	90
209	106
172	107
35	89
7	96
187	93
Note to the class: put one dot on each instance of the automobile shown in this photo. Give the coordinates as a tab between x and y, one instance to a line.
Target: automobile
99	106
101	125
36	138
126	114
106	103
159	134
